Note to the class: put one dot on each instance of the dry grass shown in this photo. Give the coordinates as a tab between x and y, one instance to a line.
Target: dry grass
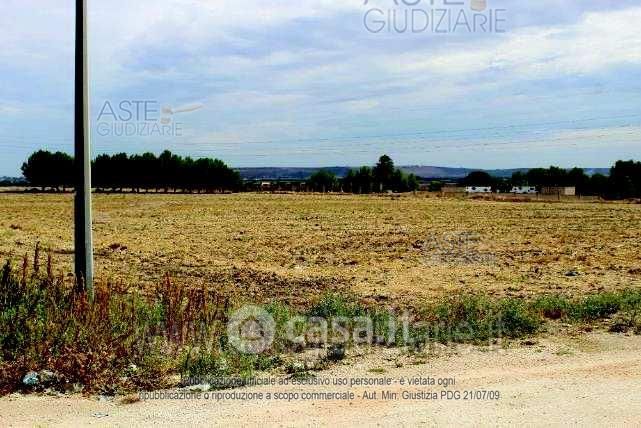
293	247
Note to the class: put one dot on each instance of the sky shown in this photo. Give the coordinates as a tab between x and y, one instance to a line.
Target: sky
330	82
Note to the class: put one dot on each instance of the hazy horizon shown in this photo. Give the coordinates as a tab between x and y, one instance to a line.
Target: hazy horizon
317	167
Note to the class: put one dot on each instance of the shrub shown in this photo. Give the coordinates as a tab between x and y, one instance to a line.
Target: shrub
336	305
598	306
126	339
590	308
552	307
473	318
122	339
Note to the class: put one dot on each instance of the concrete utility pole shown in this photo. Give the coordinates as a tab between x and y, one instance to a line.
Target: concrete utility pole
82	164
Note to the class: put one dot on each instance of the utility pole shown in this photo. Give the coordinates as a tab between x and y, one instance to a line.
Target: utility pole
82	164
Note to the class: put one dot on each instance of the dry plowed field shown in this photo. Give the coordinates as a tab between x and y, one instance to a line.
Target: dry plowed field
292	247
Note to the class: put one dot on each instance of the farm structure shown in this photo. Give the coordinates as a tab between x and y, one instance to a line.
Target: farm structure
524	190
559	191
478	189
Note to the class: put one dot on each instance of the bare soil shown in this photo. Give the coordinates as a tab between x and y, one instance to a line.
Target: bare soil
400	249
589	380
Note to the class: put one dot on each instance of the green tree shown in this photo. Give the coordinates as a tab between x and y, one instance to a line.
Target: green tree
519	179
146	171
348	181
578	178
625	180
412	183
384	173
169	165
322	181
598	185
364	180
45	169
435	186
478	178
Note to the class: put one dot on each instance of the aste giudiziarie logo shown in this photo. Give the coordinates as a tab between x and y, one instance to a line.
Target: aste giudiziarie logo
141	118
433	16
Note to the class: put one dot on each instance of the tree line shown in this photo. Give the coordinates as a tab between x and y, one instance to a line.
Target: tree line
135	172
383	177
624	181
172	172
169	171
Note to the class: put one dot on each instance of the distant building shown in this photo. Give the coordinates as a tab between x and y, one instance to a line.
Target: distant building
559	191
452	189
524	190
478	189
265	186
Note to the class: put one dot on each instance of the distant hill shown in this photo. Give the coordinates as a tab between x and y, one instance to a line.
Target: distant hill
448	172
592	171
433	172
293	173
12	181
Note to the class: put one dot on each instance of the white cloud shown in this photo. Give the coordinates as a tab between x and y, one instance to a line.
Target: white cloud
598	41
31	35
288	69
243	100
8	109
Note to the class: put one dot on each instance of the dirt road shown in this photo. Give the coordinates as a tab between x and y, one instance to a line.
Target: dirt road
591	379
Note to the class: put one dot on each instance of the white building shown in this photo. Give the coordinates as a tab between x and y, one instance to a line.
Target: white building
265	186
478	189
559	190
524	190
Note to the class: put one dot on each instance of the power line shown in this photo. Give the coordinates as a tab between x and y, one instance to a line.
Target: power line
427	132
390	135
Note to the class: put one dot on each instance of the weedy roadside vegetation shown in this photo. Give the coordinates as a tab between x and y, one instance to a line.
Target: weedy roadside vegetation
125	339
